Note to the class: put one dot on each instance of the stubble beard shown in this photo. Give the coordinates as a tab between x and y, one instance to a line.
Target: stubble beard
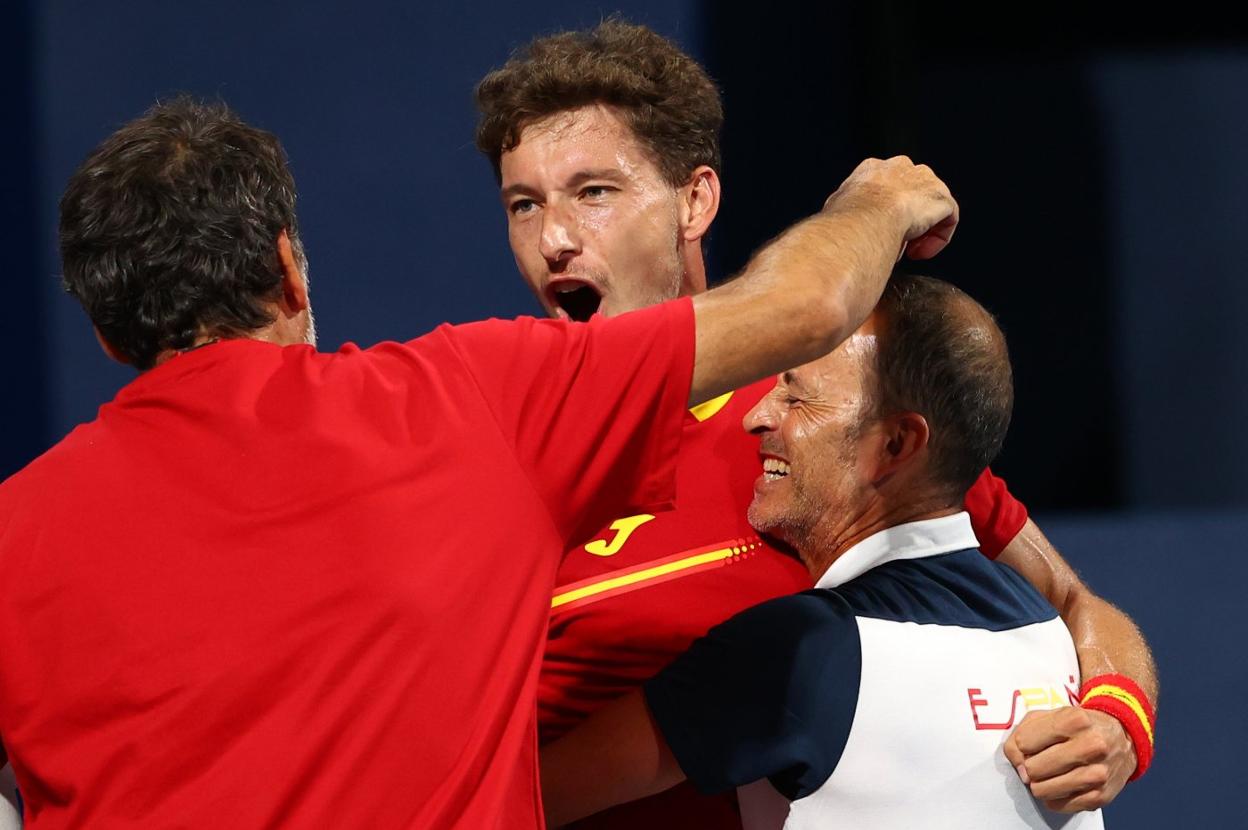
810	523
660	291
668	289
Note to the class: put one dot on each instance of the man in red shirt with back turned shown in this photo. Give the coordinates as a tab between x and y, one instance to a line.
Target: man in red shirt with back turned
606	147
271	587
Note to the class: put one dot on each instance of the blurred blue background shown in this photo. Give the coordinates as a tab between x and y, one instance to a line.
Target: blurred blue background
1101	162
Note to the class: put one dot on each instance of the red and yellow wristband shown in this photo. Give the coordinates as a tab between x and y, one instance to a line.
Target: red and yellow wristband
1118	696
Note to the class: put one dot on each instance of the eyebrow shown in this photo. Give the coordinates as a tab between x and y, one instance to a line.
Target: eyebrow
516	190
575	180
582	176
790	379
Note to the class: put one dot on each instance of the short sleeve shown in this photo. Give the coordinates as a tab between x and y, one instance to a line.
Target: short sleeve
996	516
771	693
593	410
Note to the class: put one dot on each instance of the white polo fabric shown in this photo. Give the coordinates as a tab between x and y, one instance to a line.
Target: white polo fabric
881	698
10	813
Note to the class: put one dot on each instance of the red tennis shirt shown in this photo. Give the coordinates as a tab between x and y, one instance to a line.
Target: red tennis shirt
271	587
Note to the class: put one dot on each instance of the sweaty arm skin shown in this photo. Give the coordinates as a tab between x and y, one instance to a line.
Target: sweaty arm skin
811	287
1077	759
616	756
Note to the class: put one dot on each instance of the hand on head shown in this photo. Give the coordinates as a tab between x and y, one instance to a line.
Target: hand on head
925	208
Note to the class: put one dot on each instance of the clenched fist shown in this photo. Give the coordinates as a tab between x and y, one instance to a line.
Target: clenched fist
911	193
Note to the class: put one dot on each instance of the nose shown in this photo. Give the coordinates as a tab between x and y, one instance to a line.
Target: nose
764	417
560	236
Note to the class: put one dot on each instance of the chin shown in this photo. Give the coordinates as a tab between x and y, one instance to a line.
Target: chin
777	523
763	520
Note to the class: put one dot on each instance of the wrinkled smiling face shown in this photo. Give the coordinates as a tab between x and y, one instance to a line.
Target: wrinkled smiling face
815	445
592	223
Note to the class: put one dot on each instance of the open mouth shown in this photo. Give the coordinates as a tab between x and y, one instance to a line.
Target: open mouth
579	300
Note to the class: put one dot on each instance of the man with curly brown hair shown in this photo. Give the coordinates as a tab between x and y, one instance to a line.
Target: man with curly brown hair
605	144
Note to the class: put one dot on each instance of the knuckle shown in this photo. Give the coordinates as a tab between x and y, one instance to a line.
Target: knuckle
1045	791
1095	747
1096	776
1073	718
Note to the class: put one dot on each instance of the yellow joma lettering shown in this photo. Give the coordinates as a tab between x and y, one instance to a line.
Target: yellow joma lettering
707	410
623	529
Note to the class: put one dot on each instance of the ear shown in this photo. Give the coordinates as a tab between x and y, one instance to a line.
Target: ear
109	348
294	286
904	441
699	202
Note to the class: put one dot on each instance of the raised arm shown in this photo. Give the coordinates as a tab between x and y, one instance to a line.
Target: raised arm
812	286
1077	759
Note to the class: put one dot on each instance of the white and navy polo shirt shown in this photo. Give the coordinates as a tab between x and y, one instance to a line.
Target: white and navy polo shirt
879	699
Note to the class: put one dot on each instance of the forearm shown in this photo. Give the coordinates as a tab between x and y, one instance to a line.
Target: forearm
617	755
1077	758
798	298
1108	642
1106	639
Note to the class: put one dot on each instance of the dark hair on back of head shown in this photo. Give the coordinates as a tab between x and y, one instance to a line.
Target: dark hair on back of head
662	94
942	355
168	230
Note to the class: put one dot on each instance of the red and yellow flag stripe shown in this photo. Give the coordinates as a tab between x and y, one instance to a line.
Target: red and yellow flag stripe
1120	697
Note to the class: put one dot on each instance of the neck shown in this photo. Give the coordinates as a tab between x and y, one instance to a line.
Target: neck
693	280
835	536
281	332
202	340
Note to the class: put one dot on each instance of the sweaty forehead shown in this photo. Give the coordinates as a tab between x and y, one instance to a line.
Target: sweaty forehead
593	120
590	135
846	364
